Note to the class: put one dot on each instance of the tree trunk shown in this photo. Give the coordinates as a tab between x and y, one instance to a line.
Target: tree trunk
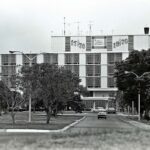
48	114
13	117
146	115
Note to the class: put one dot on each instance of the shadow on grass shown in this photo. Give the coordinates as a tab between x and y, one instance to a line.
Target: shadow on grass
38	122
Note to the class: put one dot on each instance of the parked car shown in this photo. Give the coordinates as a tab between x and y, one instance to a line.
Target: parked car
102	114
111	110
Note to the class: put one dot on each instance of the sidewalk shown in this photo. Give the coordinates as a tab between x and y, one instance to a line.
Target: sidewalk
138	124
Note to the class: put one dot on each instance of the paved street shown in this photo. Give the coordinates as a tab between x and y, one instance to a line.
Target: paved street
92	123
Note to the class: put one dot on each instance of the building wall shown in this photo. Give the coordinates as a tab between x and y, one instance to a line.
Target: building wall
58	44
141	42
82	69
91	57
0	66
104	70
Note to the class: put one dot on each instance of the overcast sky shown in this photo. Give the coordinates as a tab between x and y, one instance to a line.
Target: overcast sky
27	25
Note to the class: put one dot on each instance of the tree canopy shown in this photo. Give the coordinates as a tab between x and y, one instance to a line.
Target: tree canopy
138	62
52	85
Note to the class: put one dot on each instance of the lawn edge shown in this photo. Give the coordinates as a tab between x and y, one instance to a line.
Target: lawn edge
42	131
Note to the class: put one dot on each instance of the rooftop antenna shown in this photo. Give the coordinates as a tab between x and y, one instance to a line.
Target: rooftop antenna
64	27
90	27
101	31
78	29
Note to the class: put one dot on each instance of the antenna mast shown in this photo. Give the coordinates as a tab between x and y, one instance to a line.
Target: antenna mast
90	27
78	28
64	27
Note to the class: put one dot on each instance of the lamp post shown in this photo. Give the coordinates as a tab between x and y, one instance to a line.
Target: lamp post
30	59
139	96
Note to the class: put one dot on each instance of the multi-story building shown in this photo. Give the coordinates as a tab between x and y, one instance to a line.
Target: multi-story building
92	58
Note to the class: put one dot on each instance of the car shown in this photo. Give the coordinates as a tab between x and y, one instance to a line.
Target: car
111	110
102	114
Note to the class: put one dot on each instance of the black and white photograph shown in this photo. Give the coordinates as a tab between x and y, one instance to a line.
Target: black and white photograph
74	75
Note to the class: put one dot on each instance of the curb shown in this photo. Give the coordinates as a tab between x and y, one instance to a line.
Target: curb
137	124
41	131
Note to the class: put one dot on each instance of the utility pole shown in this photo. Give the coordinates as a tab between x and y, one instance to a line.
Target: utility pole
138	78
30	60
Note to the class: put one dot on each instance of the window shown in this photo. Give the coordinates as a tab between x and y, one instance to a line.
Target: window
97	70
89	82
67	43
110	58
8	59
97	82
111	82
93	70
93	58
97	58
114	57
109	43
88	43
71	58
89	59
26	60
93	82
111	69
118	57
51	58
4	70
89	70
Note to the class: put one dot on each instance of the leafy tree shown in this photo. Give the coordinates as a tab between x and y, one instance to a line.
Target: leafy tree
52	85
14	103
137	62
15	100
10	100
4	95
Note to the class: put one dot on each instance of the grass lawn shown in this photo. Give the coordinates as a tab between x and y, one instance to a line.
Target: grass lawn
90	140
38	121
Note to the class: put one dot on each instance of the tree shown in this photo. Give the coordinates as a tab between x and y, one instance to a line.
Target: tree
10	100
4	95
15	100
137	62
53	85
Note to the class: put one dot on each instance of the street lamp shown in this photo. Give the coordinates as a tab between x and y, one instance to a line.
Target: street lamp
30	64
138	78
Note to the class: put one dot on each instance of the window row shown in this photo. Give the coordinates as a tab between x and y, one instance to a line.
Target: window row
114	57
51	58
93	70
8	59
71	58
93	82
92	58
8	70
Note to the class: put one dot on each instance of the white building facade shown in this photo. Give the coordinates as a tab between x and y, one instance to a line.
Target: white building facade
92	58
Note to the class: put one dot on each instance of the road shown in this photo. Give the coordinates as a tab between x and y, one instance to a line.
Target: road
92	123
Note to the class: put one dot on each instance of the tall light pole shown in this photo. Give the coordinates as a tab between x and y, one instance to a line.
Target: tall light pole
139	96
30	59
